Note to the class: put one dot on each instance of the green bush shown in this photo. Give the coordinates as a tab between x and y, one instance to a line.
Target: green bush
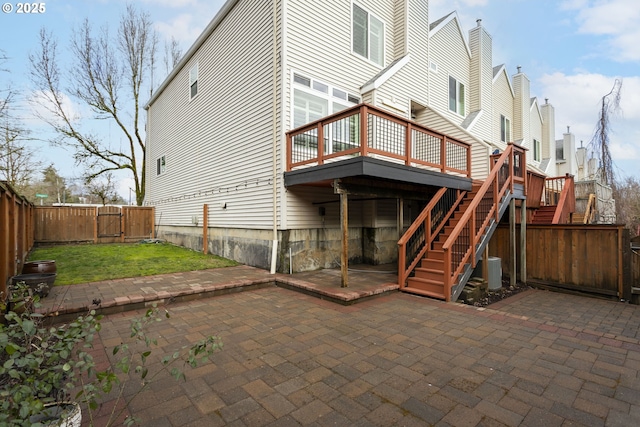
42	364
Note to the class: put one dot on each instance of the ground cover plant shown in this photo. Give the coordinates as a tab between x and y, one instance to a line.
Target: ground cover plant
93	263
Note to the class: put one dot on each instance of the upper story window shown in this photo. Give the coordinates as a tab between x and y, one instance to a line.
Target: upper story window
160	165
456	96
367	35
505	129
193	81
537	155
313	100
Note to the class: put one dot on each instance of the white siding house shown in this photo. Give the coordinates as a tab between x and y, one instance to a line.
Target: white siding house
216	127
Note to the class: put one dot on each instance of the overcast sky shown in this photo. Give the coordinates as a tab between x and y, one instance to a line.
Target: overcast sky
572	51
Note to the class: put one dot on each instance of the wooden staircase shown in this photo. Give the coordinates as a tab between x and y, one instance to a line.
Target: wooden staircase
428	279
544	215
558	201
438	252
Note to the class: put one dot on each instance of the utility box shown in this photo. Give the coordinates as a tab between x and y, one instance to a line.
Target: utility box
494	273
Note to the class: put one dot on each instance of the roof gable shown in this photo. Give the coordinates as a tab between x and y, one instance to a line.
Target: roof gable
441	23
501	70
534	104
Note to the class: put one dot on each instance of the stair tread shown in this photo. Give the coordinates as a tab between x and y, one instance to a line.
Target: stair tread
426	281
424	293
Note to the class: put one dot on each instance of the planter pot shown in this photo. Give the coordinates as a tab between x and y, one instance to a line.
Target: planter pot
39	283
39	267
65	414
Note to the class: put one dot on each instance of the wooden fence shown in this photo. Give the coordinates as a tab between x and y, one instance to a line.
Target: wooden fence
635	275
594	259
104	224
16	232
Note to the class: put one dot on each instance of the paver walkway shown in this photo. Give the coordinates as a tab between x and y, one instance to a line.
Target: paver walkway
536	359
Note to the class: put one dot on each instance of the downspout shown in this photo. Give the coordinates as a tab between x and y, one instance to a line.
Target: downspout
274	128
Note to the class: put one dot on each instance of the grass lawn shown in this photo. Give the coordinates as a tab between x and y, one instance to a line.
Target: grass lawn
93	263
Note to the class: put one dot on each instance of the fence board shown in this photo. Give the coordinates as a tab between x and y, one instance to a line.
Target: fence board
635	268
578	257
64	224
81	224
138	222
16	232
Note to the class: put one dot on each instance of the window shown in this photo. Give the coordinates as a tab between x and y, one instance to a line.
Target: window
505	129
536	150
307	108
314	100
456	96
193	81
367	35
160	165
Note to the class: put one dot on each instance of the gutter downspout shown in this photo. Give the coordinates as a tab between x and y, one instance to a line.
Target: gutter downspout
274	128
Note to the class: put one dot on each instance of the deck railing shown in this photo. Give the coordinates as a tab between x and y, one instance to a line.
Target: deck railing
365	130
508	169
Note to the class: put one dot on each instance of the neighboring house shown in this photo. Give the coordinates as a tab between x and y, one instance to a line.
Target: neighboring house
216	128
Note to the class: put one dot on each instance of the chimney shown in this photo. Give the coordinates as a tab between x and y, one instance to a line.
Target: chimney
479	22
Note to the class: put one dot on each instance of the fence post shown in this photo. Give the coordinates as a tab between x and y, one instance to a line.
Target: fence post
95	225
4	242
123	223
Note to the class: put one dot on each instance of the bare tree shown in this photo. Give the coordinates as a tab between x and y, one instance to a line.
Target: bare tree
600	140
108	74
103	188
172	54
17	159
627	195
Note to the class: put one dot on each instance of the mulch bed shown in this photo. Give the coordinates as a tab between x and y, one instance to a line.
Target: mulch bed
498	295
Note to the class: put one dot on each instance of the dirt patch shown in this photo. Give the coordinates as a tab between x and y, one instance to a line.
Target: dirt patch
498	295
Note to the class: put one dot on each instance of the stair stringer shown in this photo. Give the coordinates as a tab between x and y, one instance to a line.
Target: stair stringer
467	270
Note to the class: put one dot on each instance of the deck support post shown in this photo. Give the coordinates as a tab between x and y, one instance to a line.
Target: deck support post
512	243
344	228
523	241
485	265
400	202
344	225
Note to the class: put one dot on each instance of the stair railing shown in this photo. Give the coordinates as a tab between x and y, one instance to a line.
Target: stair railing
419	237
566	202
459	248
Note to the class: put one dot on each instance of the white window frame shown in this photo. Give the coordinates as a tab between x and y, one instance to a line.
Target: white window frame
369	33
460	102
161	165
313	88
194	76
505	129
537	153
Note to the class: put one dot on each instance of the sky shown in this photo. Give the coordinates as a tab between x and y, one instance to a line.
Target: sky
571	50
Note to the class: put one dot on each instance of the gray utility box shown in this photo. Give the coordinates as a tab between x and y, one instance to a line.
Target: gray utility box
495	273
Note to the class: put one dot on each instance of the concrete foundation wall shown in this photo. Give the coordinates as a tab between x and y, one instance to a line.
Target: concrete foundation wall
311	249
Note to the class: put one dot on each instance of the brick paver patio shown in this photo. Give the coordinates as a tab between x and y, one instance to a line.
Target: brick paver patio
536	359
